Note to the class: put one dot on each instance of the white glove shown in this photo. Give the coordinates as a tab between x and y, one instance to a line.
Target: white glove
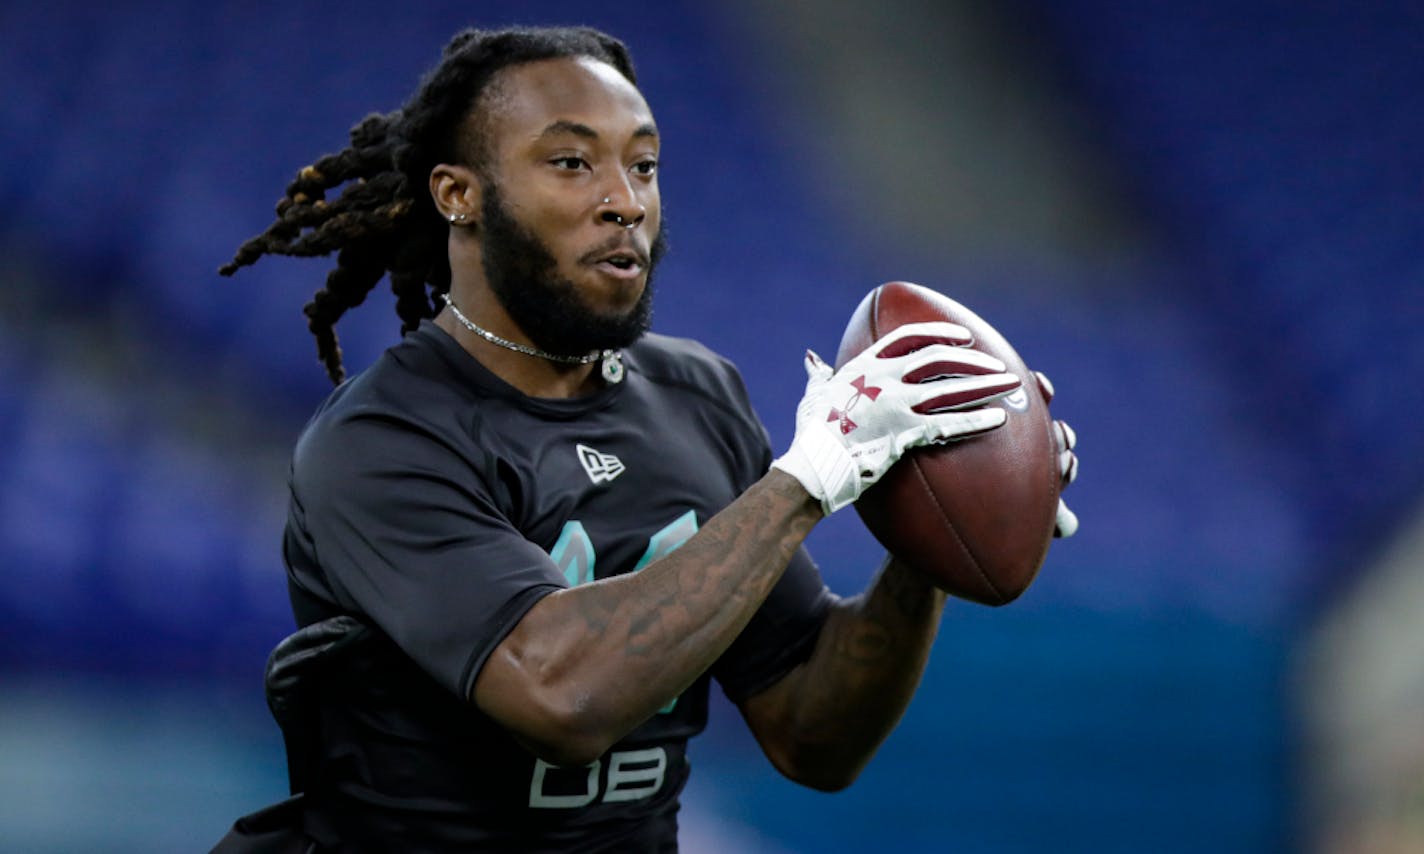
917	385
1066	523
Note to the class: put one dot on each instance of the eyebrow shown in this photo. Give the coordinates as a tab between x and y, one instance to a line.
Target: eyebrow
583	130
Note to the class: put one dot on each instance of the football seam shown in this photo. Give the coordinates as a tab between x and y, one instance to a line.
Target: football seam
973	558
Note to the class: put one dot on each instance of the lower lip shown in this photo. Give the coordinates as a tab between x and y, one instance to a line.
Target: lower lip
617	272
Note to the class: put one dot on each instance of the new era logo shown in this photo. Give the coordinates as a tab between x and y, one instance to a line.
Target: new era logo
601	468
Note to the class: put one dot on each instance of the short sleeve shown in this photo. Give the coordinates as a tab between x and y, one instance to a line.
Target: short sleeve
780	635
406	531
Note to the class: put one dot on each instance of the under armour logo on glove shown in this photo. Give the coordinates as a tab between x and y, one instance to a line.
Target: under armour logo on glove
927	386
861	390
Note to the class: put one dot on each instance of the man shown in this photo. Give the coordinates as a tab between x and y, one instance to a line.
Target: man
551	528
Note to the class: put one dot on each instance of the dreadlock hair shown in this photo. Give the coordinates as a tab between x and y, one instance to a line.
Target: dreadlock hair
384	220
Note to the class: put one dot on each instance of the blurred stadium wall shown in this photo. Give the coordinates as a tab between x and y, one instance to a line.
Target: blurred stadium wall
1361	682
1203	220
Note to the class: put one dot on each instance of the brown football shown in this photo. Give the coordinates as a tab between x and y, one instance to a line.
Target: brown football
976	515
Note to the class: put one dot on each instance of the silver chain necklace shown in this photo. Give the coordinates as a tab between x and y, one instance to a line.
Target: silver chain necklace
612	359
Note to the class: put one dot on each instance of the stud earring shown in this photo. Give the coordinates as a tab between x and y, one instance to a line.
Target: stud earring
456	219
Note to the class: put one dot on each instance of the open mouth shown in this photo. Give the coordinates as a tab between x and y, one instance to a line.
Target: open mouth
624	263
619	258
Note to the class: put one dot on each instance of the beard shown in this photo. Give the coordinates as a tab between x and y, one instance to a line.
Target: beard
523	274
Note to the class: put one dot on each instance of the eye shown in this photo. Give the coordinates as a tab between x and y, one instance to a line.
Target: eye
645	167
570	162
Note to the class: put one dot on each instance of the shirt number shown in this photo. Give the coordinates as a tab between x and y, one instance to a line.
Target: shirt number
573	554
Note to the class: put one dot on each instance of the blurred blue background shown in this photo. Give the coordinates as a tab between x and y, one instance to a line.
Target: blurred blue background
1203	220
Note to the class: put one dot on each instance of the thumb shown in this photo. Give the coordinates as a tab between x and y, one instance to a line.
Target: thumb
1066	525
816	369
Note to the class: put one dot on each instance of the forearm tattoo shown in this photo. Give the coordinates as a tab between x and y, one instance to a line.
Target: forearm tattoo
873	651
691	604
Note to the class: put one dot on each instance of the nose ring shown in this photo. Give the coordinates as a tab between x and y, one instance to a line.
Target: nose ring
617	217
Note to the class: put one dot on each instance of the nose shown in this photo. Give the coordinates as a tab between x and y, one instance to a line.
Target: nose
626	212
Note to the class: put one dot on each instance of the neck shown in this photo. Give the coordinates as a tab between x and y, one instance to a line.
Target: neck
531	375
476	300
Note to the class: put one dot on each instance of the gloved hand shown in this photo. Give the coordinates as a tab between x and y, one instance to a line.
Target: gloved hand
917	385
1066	525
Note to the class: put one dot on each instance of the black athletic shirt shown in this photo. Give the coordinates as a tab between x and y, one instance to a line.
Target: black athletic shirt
437	503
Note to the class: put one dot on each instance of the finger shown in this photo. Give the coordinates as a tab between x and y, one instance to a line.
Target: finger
1066	437
1068	466
938	361
816	367
965	392
1045	386
913	336
953	426
1066	523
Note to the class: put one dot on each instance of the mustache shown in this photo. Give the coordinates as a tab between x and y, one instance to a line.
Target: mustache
624	242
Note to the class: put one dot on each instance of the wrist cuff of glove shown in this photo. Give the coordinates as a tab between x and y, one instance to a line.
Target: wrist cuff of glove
824	467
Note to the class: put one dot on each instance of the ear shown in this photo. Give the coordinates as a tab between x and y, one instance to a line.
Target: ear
456	191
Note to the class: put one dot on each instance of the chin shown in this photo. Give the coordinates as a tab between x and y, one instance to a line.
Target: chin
616	297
